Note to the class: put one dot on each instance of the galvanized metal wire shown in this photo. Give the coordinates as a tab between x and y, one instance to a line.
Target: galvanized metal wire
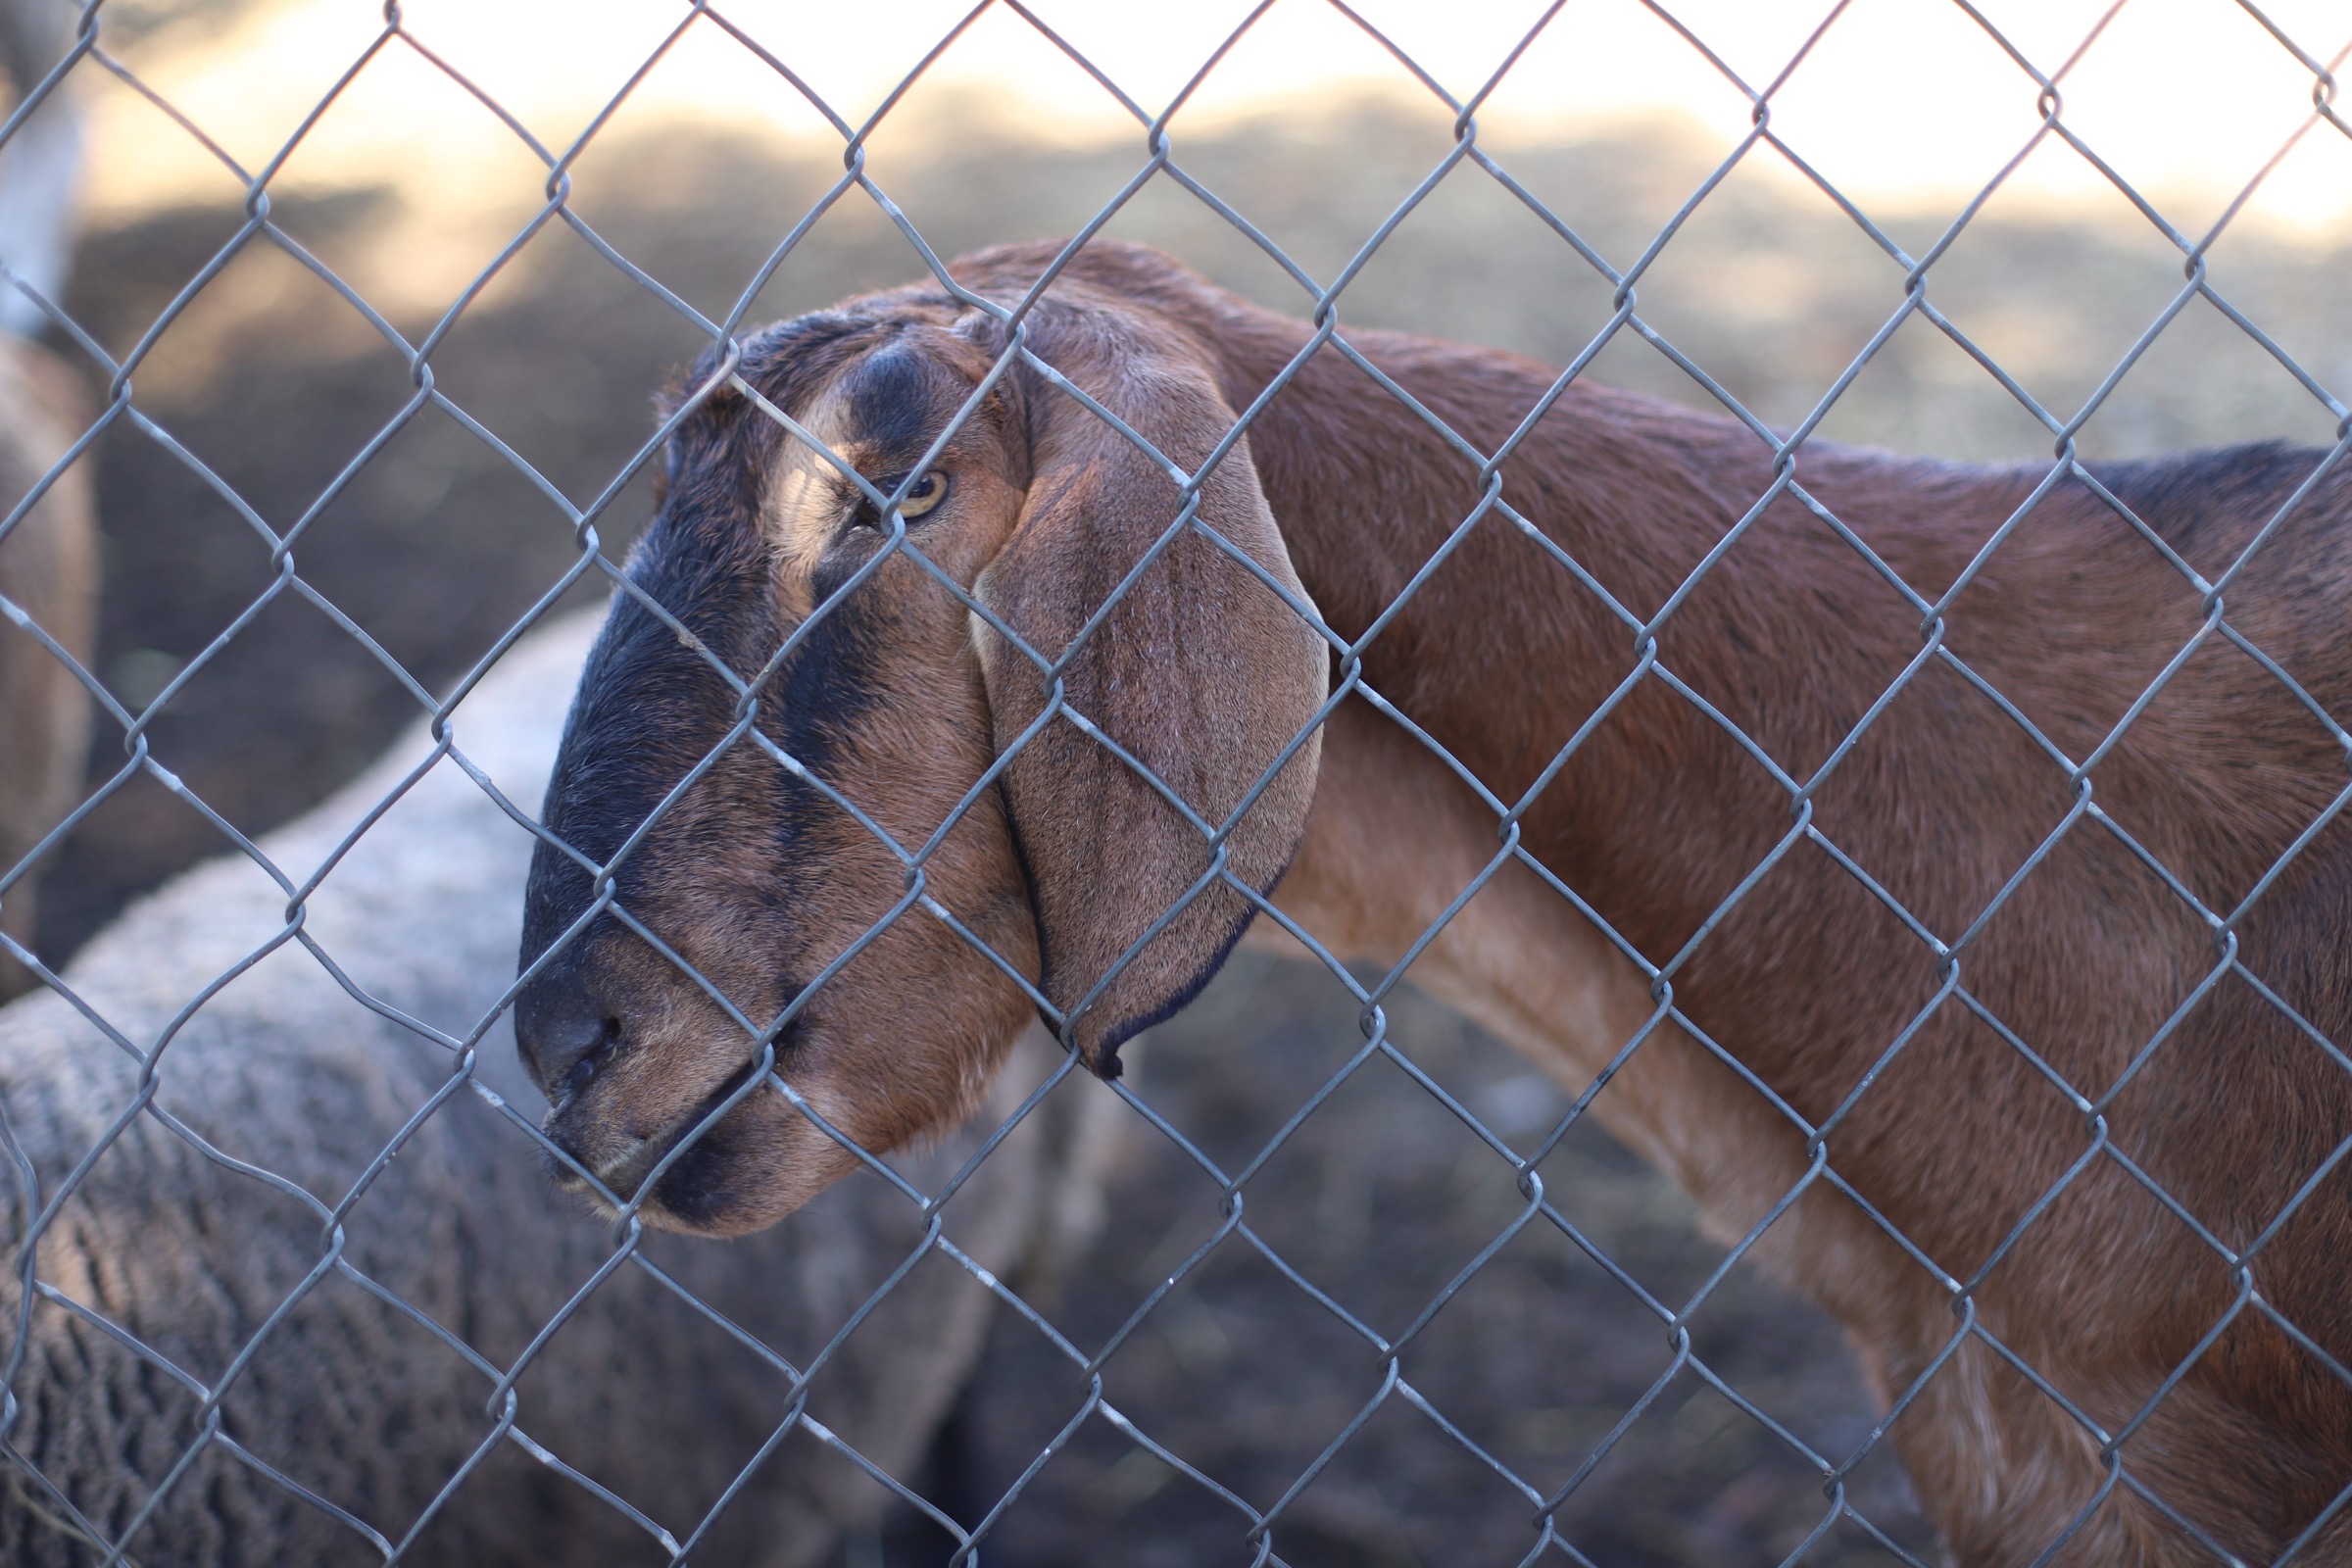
1257	1526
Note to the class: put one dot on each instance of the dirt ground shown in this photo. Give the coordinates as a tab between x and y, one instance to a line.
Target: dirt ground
435	547
1378	1200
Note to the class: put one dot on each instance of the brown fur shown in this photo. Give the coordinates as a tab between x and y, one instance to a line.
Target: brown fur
1499	656
49	569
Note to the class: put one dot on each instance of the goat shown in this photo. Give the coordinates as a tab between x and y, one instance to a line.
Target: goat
48	556
349	1397
2053	1132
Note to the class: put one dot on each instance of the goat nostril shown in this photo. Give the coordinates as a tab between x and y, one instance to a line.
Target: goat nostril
577	1077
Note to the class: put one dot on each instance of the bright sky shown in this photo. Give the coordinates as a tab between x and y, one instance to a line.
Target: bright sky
1900	101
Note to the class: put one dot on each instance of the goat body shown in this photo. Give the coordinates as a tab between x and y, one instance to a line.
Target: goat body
2024	1010
1988	926
1818	988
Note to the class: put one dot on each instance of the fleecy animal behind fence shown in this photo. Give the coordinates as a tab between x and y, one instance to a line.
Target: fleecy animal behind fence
1959	922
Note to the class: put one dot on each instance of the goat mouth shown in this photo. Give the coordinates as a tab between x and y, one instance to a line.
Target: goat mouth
622	1174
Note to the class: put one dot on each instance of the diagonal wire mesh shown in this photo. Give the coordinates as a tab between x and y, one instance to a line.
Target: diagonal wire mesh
200	1443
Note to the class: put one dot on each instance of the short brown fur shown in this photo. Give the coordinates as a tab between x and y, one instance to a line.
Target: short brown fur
1343	494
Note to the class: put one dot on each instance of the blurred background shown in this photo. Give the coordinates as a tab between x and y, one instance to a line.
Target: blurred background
419	186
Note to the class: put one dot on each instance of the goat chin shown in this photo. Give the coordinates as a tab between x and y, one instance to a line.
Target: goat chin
284	1069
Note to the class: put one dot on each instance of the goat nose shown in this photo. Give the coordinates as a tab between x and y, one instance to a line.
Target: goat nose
562	1035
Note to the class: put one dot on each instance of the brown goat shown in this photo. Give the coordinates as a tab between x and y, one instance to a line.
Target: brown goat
1888	856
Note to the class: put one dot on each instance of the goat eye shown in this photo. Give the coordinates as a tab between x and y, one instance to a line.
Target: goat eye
924	494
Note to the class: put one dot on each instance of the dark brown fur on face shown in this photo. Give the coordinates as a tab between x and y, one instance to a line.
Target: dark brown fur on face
2101	1115
892	704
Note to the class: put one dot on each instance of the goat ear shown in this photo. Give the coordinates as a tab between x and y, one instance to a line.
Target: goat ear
1198	673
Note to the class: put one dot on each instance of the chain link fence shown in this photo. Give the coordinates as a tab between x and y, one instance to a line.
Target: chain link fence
287	1280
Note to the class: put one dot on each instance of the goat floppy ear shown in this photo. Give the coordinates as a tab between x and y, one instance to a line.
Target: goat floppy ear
1199	673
